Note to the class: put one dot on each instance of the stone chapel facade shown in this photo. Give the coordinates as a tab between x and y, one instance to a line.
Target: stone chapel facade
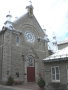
22	47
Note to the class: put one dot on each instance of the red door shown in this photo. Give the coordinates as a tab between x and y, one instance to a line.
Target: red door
30	74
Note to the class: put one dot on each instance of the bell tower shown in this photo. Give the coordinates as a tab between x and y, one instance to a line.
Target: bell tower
30	9
8	22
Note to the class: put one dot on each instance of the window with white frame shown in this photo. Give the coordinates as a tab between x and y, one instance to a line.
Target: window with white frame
67	72
55	74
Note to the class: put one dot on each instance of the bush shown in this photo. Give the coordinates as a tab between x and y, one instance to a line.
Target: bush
41	82
10	80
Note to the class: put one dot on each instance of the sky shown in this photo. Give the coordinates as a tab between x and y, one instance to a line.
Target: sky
52	15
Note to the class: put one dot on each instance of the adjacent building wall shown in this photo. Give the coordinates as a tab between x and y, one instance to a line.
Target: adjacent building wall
6	61
1	54
63	72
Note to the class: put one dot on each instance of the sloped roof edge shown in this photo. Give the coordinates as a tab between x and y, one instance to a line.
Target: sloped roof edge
58	55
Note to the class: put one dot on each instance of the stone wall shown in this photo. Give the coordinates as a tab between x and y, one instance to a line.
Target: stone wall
25	23
1	55
63	73
13	63
6	62
17	58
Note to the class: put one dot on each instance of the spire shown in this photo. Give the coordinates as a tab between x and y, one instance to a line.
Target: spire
54	39
54	42
30	9
9	16
8	22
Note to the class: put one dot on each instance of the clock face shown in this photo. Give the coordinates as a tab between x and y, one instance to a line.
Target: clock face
29	36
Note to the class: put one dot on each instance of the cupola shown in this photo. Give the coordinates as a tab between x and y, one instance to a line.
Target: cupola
8	22
30	9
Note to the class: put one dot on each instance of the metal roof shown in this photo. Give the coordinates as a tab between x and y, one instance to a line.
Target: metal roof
60	54
62	42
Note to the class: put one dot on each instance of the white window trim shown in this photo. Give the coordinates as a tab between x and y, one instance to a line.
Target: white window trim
66	67
67	72
55	75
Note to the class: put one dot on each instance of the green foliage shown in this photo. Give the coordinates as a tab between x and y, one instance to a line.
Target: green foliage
41	82
10	80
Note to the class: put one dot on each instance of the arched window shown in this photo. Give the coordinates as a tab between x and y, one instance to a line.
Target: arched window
17	40
31	60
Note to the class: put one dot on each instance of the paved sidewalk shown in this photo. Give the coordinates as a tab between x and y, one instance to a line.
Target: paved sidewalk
11	88
27	86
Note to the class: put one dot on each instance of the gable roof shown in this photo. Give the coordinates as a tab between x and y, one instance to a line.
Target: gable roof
63	42
27	20
59	55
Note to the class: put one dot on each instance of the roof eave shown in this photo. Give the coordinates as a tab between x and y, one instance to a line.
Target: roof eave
56	60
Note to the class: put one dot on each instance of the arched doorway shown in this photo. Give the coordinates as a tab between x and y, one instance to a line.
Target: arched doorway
30	69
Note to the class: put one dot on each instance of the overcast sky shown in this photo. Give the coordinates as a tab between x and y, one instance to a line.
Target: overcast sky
51	14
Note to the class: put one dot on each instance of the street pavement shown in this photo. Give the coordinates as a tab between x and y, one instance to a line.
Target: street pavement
5	88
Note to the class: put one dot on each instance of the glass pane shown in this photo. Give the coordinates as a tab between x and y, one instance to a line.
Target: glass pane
30	61
53	70
67	75
57	76
53	77
57	69
67	66
17	39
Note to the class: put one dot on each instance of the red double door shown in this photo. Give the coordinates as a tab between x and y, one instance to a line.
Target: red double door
31	74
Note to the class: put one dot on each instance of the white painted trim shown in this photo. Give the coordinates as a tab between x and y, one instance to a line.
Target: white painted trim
56	81
55	74
67	72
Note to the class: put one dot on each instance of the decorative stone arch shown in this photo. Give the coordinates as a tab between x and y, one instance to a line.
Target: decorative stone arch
30	65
